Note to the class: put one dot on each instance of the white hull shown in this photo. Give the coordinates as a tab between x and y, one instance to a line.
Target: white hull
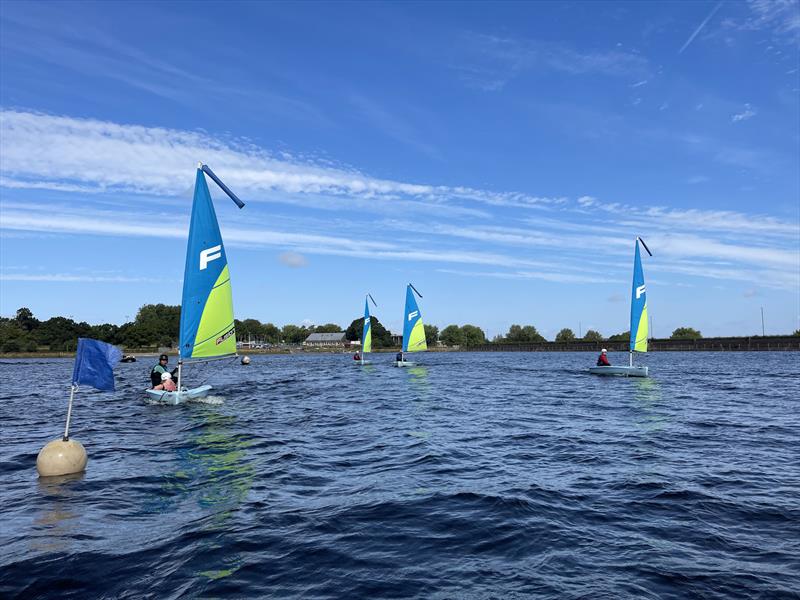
175	398
363	362
621	371
404	363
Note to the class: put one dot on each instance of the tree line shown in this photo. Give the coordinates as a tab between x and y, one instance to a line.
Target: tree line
157	325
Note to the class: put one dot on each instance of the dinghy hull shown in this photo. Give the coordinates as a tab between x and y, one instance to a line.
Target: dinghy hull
176	398
620	371
404	363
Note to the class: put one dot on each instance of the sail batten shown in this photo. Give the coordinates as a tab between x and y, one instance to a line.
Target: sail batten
207	329
413	328
639	321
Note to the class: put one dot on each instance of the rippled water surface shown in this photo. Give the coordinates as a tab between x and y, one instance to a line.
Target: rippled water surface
473	476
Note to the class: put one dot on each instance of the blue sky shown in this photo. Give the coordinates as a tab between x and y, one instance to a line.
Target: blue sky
500	156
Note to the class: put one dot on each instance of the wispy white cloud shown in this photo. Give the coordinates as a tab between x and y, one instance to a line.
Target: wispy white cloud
747	113
293	260
41	151
393	125
559	243
490	62
48	219
77	278
779	17
697	179
552	276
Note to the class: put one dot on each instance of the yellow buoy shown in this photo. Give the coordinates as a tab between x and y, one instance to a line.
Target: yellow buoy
61	457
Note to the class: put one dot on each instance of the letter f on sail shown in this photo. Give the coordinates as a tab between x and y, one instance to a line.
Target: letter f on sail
209	254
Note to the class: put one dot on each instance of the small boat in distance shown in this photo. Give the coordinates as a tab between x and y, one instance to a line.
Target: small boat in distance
366	332
413	328
207	329
639	329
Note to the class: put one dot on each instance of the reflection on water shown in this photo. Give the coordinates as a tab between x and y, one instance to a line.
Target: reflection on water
647	398
213	469
56	524
418	378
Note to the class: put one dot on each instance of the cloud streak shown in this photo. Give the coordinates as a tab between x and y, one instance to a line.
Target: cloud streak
45	151
547	238
700	28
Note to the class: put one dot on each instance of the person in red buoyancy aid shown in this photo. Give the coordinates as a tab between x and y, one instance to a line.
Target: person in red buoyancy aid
602	360
356	356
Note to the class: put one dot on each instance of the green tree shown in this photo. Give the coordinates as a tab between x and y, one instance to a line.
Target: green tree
620	337
593	336
26	320
518	334
472	335
451	336
11	345
796	333
328	328
292	334
106	332
248	328
12	336
155	325
685	333
565	335
431	335
57	333
271	333
381	337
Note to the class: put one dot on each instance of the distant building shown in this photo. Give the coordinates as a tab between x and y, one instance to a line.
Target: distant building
326	339
397	339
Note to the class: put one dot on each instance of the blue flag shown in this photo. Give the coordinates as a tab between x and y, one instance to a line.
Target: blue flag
94	364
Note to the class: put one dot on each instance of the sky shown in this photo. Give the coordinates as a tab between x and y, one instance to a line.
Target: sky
502	157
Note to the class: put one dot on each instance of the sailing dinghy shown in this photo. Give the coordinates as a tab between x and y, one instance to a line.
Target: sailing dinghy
366	332
413	329
639	329
207	327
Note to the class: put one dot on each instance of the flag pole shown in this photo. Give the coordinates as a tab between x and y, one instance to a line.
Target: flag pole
72	389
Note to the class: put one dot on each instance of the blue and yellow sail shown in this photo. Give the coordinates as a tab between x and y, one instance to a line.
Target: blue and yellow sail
207	327
366	333
639	329
413	328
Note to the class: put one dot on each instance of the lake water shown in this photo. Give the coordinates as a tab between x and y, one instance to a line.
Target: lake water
497	475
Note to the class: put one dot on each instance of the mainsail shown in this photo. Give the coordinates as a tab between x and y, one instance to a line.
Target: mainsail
207	326
639	330
413	329
366	334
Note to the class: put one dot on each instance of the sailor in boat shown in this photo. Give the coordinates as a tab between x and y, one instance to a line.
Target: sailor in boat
159	370
602	360
399	357
166	383
356	356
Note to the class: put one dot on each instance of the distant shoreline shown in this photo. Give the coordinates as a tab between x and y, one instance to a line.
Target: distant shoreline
727	344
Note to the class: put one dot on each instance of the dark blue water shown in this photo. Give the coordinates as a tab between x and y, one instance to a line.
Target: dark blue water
474	476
